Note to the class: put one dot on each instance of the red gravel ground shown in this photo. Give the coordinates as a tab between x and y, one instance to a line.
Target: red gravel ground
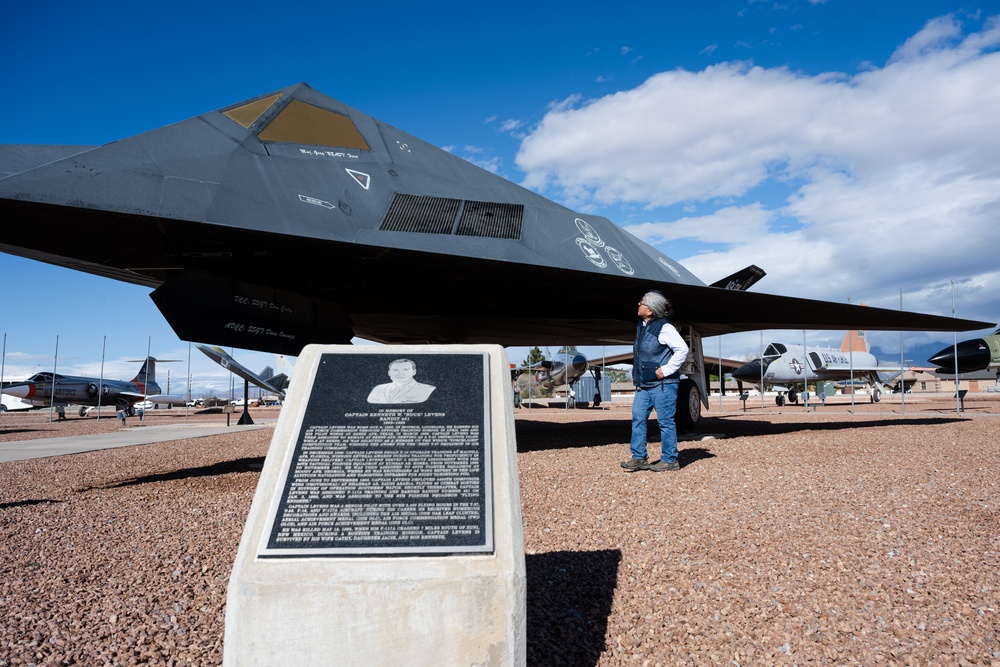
828	537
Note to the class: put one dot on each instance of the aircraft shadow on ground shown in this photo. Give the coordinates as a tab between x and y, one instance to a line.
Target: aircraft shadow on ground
740	428
250	464
569	595
539	436
29	503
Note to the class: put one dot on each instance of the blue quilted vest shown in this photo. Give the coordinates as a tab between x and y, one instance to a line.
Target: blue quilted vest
649	354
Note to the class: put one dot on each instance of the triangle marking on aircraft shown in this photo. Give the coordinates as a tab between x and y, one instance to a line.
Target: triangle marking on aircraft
363	179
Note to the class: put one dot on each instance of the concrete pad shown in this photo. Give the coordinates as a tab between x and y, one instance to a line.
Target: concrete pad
342	560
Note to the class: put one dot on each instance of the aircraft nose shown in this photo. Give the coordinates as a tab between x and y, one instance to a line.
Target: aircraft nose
20	390
748	372
973	355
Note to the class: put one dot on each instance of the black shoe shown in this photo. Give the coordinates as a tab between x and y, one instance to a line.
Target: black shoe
661	466
635	464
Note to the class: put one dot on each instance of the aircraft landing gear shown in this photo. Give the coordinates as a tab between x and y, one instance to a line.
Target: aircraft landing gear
688	406
779	400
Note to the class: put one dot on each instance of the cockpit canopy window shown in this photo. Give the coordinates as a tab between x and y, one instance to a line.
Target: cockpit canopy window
299	123
775	350
44	377
302	123
248	114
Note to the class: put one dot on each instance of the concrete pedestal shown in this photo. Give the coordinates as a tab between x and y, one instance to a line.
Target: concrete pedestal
407	605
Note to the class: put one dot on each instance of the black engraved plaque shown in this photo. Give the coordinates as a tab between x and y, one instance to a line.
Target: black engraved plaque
393	457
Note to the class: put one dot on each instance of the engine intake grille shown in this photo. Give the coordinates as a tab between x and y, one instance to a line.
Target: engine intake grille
420	214
490	219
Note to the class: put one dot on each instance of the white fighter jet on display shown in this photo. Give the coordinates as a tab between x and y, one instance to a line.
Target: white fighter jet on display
789	367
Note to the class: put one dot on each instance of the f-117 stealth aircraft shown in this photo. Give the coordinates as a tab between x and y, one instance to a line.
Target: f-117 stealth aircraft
53	389
292	218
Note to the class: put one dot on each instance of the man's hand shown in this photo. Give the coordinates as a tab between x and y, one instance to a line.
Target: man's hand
659	373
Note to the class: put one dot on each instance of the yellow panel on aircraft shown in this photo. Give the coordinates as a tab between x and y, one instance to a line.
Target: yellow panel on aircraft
302	123
248	113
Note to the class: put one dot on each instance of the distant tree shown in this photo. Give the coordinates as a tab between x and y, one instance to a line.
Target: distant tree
534	356
617	375
525	384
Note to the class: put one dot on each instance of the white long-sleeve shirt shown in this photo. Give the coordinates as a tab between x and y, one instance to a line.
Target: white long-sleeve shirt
671	338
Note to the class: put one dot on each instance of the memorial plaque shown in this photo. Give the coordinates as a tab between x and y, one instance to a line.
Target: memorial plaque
393	457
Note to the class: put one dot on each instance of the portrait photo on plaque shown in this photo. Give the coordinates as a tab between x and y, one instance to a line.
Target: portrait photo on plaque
393	457
404	387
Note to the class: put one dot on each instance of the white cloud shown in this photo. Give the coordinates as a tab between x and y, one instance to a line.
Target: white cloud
511	125
731	225
840	186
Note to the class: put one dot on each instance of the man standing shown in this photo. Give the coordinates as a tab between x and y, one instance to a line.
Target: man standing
658	354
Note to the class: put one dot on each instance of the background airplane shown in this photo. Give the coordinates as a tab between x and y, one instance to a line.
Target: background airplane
273	383
975	354
568	366
293	218
266	379
47	389
12	403
789	367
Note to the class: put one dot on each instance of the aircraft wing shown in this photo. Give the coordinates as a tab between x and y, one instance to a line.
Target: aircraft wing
364	231
711	363
612	359
847	368
219	356
166	399
17	158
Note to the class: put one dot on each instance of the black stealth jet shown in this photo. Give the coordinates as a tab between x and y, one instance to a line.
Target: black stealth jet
293	218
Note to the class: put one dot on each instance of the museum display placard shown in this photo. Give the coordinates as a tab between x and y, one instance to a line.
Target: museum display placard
392	458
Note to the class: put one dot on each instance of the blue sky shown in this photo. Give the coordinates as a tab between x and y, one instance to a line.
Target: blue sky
847	147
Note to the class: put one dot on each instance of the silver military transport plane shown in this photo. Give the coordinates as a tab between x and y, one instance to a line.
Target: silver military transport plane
293	218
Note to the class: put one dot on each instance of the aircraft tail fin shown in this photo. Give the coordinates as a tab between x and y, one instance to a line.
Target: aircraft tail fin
854	340
742	279
279	382
146	374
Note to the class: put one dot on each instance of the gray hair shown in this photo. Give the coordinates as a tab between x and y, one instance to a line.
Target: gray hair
658	303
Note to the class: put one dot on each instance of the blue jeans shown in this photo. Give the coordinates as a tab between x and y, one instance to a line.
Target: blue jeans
662	398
